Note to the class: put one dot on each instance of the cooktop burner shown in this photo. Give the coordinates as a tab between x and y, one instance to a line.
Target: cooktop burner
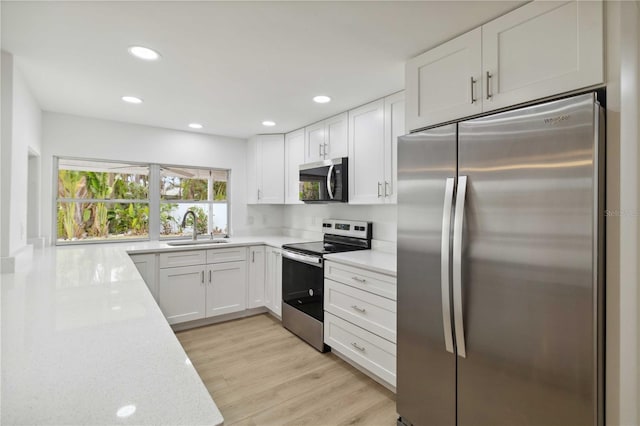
339	236
322	247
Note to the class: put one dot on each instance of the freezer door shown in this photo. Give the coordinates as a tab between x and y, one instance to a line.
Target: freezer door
426	371
529	293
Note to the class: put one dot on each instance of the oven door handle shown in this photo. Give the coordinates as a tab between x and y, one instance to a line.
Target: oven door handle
311	260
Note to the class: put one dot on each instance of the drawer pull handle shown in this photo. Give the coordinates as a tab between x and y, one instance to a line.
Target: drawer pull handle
357	346
360	280
359	309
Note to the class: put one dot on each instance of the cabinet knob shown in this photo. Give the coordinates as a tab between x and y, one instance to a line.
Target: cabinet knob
379	189
489	77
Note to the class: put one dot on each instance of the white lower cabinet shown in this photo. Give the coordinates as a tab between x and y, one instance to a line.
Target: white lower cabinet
362	347
360	318
273	281
182	292
226	288
147	265
257	270
200	290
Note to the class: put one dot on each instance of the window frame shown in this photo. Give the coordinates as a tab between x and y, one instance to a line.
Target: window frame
154	201
194	202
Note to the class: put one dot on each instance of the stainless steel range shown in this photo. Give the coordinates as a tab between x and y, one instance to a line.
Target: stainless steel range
303	276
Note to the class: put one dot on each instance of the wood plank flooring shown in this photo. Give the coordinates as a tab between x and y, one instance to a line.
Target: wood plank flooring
258	373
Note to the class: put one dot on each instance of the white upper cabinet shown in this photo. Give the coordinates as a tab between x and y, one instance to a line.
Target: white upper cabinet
394	118
542	49
293	157
336	136
272	188
445	83
253	149
373	146
366	154
314	143
326	139
265	169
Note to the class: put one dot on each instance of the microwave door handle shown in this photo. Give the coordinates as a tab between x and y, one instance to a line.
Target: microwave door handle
329	176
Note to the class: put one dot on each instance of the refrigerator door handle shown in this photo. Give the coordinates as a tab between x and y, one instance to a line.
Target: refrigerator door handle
444	265
458	224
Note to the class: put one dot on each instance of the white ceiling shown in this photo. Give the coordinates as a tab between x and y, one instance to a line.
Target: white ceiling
227	65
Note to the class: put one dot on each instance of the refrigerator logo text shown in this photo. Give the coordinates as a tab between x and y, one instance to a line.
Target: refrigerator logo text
556	120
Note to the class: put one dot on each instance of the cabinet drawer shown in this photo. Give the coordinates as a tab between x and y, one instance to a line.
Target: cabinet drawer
182	258
365	349
380	284
372	312
233	254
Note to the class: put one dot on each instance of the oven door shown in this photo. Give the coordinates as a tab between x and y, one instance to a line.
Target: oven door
303	283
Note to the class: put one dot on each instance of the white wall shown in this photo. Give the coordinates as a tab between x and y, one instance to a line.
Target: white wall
309	217
6	92
623	188
21	132
72	136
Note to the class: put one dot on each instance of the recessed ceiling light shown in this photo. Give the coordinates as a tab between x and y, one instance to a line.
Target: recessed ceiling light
144	53
268	123
195	125
321	99
126	411
132	99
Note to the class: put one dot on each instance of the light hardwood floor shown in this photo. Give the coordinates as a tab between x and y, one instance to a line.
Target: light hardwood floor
260	374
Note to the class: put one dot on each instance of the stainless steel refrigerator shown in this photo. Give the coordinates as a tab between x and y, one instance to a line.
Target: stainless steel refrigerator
500	261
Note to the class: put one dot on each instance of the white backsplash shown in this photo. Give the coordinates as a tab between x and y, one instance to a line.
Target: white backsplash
305	221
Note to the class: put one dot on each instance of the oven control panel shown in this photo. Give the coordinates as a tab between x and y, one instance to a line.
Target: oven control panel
347	228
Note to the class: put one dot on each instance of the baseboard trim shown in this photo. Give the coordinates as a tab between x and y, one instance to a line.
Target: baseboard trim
222	318
18	262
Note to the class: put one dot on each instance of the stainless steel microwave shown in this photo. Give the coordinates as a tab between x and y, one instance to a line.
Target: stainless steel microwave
325	181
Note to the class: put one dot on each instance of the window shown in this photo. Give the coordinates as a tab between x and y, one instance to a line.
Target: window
103	200
204	191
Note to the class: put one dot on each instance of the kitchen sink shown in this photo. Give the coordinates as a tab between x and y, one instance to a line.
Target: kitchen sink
194	243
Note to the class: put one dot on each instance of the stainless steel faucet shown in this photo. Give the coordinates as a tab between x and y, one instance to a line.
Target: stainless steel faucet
195	228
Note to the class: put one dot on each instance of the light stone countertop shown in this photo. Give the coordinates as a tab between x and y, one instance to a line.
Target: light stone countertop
374	260
158	246
84	342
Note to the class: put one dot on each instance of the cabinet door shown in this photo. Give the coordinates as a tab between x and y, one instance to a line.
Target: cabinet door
277	298
366	154
270	278
182	293
444	83
147	266
272	169
314	139
227	288
253	171
393	128
336	136
542	49
293	157
257	272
